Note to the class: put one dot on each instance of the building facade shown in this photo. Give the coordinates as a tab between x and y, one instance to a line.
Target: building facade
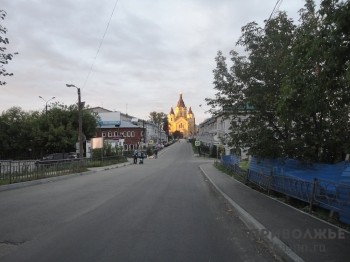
126	131
182	120
126	135
216	130
153	133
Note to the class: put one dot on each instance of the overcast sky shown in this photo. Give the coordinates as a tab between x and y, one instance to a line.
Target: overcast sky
152	50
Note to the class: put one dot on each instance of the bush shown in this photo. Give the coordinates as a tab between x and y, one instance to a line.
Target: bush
149	151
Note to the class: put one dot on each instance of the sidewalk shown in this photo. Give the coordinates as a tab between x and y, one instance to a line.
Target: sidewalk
102	168
293	234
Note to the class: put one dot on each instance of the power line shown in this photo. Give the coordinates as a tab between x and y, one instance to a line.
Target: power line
101	42
275	9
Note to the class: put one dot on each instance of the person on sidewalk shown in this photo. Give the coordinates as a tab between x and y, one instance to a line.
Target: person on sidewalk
141	157
156	153
135	156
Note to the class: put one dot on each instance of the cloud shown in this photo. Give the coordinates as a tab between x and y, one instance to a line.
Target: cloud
152	51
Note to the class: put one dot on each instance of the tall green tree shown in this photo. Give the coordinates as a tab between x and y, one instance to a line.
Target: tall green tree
315	93
253	82
34	134
295	82
62	132
5	56
157	117
15	140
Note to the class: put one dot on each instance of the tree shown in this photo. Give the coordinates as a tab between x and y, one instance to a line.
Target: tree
318	81
34	134
4	56
177	134
166	125
157	118
295	83
15	140
62	132
254	81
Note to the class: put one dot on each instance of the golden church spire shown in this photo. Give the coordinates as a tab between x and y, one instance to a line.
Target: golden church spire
181	102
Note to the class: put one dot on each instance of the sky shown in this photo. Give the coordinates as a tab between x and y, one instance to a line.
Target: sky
133	56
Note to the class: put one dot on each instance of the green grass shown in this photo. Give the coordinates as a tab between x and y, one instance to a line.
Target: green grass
244	164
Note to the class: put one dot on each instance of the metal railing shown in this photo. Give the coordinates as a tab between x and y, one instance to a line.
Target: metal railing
20	171
330	195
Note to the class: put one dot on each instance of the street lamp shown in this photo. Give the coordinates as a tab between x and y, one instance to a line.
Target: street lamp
80	123
46	101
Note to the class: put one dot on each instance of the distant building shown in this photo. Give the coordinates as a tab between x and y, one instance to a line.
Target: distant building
216	131
119	132
98	110
126	131
181	120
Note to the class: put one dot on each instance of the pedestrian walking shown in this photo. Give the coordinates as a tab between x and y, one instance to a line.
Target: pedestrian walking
141	157
155	153
135	156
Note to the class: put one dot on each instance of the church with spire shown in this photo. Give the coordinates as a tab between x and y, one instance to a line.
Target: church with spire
181	120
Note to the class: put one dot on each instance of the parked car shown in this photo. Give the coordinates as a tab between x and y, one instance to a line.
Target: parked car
73	155
57	157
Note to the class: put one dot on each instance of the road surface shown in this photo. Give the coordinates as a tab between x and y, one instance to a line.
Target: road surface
163	210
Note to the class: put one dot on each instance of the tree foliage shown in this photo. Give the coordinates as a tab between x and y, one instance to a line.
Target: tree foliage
34	134
5	57
157	117
160	119
295	82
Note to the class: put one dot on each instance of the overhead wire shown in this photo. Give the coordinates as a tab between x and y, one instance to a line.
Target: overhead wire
100	44
275	9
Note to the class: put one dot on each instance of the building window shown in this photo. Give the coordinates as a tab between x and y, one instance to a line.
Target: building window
131	147
109	134
103	134
132	134
128	134
115	133
125	147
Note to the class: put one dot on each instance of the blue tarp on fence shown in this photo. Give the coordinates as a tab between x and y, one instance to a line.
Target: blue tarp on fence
295	168
322	184
231	159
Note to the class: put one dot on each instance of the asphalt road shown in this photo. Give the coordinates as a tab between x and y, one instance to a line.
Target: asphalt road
163	210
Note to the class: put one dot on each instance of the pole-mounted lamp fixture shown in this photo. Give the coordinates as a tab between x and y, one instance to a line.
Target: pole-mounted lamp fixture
46	101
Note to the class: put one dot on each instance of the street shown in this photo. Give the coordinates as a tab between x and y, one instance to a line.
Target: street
163	210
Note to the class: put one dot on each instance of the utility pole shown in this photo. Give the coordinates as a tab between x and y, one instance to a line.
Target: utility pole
80	120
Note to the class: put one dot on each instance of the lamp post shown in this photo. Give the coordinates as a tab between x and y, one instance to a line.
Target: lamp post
46	101
81	150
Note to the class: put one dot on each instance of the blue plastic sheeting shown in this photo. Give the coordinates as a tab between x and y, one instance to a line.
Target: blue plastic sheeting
297	179
230	159
297	169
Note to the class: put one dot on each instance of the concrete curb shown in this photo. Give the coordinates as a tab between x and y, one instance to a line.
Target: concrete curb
104	168
274	242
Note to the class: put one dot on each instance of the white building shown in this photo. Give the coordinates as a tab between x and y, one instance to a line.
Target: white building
154	133
215	131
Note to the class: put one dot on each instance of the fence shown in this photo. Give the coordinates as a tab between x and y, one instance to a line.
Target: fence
20	171
331	195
